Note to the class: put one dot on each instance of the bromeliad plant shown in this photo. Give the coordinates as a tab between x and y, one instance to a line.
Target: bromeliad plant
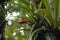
43	15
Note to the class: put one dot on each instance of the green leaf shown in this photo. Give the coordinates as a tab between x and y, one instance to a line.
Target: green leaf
48	12
49	36
25	2
56	8
31	35
56	12
20	5
39	6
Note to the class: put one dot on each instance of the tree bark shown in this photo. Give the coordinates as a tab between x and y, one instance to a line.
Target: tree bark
2	20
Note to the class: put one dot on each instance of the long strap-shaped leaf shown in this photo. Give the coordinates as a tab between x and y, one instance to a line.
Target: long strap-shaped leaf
20	5
25	2
56	12
59	8
31	35
48	12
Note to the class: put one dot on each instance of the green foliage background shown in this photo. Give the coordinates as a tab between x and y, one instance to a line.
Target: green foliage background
28	12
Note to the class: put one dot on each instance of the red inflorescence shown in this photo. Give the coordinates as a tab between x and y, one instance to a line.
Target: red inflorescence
23	21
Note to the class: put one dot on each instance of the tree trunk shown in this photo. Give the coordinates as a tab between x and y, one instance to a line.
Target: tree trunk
2	20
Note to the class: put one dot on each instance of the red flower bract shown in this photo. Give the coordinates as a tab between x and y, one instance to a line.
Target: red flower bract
23	21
